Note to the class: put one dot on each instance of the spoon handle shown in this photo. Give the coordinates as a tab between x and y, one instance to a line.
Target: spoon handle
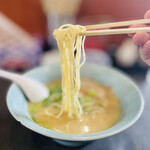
34	90
11	76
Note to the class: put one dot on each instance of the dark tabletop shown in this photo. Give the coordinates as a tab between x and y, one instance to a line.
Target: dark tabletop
14	136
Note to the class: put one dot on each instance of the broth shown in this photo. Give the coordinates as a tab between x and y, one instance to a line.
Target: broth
101	109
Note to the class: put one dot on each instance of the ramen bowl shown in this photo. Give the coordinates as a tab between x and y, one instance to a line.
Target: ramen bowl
128	93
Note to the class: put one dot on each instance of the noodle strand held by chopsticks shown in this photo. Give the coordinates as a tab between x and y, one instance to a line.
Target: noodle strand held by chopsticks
69	41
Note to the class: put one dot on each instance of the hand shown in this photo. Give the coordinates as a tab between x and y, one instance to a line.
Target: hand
142	39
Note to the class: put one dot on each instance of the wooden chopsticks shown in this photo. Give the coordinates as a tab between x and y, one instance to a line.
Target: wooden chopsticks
116	31
118	24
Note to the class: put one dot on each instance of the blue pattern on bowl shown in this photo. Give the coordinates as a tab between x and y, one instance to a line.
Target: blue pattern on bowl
130	97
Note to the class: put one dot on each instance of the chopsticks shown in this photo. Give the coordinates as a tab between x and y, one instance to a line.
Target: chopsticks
116	31
118	24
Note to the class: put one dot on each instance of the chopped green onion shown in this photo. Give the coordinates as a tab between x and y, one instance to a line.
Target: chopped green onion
92	93
35	108
87	99
55	89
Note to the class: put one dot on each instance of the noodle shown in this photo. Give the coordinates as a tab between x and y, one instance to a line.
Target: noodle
69	41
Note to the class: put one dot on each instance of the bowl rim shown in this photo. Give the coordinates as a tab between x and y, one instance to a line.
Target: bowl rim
81	137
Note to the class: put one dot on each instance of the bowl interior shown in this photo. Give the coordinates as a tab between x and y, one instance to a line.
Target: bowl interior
126	90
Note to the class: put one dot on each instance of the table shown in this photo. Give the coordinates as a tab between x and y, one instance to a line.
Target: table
14	136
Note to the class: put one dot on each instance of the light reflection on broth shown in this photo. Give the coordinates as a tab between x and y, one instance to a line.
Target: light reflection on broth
100	105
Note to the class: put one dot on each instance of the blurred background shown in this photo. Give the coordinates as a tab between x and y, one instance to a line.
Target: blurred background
26	32
26	41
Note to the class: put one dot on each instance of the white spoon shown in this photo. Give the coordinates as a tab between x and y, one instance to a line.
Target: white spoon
34	90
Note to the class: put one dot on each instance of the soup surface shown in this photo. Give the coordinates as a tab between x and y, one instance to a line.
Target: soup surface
101	109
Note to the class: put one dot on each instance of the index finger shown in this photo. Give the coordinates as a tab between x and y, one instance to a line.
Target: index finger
147	14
